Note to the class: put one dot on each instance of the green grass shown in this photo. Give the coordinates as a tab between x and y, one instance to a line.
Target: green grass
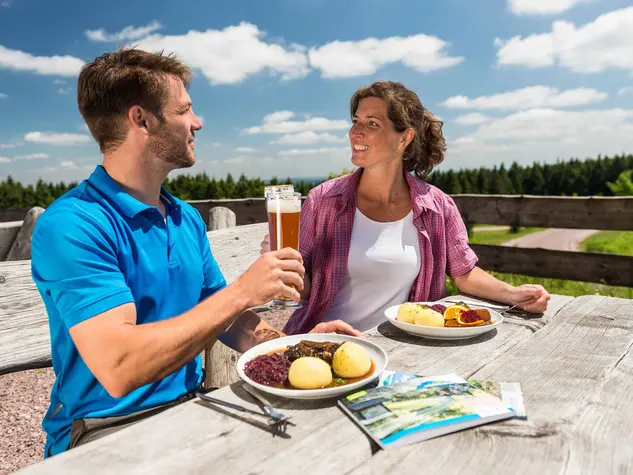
499	237
610	242
556	286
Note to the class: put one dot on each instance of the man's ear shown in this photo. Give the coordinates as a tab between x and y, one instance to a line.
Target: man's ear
140	119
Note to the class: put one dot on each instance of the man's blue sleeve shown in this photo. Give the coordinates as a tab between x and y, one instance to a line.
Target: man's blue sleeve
74	262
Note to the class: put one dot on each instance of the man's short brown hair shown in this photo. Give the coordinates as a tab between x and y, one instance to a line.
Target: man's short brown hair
108	86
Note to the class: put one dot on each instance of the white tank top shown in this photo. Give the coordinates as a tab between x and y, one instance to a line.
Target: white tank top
383	262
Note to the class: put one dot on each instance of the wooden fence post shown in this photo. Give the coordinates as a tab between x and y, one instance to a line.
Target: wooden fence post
221	218
21	248
219	359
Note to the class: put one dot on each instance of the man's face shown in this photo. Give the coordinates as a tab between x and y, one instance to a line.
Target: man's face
173	141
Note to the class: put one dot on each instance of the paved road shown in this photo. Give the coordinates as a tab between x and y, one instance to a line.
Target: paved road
555	239
490	228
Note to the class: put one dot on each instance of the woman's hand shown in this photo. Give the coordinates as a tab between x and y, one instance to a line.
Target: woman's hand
531	298
335	326
265	244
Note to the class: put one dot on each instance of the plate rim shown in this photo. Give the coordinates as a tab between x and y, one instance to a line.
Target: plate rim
310	393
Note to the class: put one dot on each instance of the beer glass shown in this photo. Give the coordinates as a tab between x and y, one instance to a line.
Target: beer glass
284	210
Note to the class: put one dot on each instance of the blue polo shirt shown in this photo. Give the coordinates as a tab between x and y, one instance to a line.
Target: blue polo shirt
96	248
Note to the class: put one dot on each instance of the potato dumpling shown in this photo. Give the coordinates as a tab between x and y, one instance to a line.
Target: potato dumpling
351	361
407	312
428	317
309	373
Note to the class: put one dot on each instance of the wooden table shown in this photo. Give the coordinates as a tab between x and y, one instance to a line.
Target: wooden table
574	364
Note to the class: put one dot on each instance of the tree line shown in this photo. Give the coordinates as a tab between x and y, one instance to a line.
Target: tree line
601	176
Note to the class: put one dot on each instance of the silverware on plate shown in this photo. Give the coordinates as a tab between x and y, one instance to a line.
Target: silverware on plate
500	308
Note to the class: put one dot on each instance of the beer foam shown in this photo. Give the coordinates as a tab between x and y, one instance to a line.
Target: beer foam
285	206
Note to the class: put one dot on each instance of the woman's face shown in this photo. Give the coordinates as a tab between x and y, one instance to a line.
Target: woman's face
372	137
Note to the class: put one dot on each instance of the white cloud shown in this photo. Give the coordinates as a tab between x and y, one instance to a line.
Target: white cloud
32	156
474	118
245	150
53	138
542	7
306	138
280	126
313	151
11	145
216	144
361	58
5	159
63	90
544	135
3	95
234	161
5	3
230	55
129	33
69	164
528	98
606	43
625	90
42	65
279	116
58	82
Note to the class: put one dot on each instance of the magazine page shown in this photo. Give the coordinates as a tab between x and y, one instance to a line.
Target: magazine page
422	408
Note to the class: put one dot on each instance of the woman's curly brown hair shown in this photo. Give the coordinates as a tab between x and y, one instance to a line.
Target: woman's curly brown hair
405	110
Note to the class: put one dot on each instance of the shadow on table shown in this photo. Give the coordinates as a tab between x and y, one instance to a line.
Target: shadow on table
260	424
387	330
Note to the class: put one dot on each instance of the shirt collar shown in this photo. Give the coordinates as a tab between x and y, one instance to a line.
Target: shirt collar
421	192
126	203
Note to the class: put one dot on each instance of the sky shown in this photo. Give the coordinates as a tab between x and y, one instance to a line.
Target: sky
513	80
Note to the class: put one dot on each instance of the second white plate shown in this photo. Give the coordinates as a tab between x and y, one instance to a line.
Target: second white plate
443	333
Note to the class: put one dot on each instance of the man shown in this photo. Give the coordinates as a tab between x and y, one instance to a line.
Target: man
131	287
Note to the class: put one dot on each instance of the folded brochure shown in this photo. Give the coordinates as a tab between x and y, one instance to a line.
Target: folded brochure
418	409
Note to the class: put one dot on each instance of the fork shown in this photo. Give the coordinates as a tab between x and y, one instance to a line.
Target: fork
275	419
266	406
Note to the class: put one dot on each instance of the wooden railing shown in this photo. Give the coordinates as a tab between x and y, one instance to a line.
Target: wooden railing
603	213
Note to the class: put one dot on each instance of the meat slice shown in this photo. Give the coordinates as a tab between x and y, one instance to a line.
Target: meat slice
322	350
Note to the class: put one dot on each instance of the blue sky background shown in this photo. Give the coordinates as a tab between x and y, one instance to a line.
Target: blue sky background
514	80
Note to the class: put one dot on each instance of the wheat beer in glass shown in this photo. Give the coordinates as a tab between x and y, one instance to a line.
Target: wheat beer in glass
284	211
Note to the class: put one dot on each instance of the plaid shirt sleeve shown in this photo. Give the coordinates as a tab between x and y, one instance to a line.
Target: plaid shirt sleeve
460	258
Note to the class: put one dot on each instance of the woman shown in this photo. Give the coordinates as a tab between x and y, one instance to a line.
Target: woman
380	236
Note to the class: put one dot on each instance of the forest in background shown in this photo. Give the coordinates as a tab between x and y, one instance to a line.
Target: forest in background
601	176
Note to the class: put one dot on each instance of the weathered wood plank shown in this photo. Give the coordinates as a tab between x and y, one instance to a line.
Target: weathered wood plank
8	233
247	210
595	212
573	374
24	334
195	436
610	269
12	214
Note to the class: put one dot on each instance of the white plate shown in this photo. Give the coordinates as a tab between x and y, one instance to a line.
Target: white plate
443	333
376	353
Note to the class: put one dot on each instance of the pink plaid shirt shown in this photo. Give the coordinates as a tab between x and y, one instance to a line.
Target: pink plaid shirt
327	218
